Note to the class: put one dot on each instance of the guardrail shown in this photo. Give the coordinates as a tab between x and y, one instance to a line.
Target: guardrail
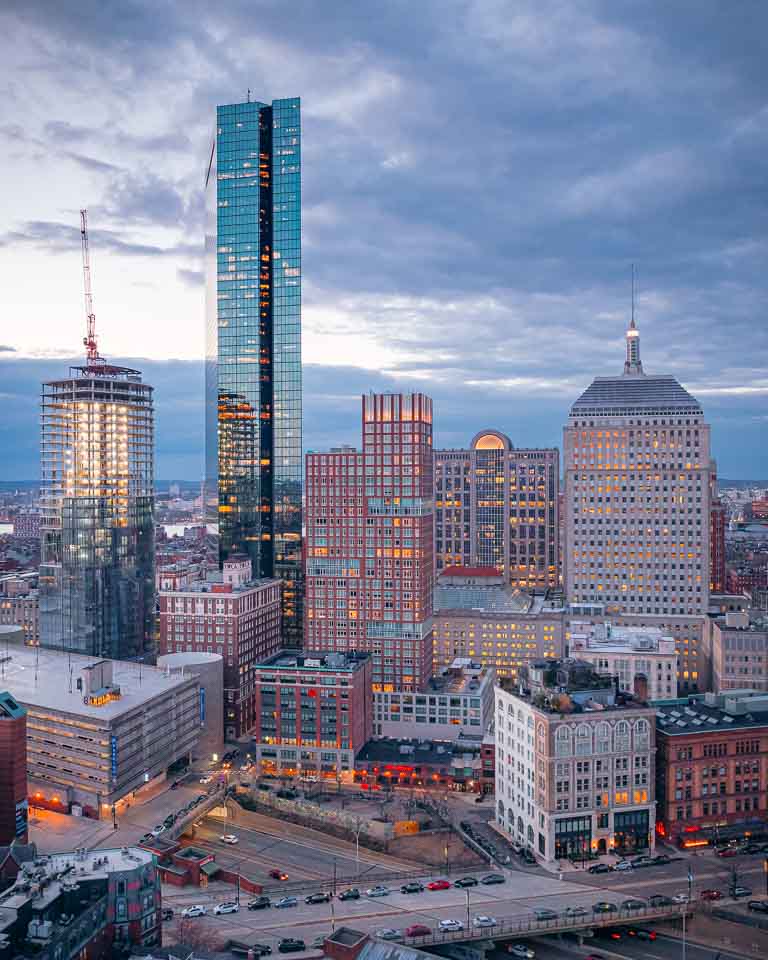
530	926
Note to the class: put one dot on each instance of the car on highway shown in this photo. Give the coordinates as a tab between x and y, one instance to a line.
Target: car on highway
417	930
285	902
633	903
521	950
623	865
378	891
147	838
659	900
739	891
291	945
228	906
389	933
318	898
759	906
259	903
482	921
612	934
492	878
600	868
197	910
681	898
452	926
169	821
352	894
603	906
229	838
572	912
465	882
439	885
545	914
156	831
278	875
413	887
640	933
710	895
206	779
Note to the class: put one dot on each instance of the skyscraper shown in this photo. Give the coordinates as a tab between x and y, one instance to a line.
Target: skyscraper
96	580
637	500
369	543
253	351
496	506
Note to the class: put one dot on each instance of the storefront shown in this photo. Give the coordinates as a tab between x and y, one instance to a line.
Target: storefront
573	838
631	832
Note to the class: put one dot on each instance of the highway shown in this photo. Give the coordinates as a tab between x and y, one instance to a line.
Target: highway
663	948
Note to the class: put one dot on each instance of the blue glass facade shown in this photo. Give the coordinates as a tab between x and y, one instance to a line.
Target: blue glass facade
253	370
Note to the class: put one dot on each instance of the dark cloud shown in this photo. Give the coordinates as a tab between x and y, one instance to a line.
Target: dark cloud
191	278
63	238
4	348
92	164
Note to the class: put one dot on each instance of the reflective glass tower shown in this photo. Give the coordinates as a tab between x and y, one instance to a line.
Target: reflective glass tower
97	496
253	362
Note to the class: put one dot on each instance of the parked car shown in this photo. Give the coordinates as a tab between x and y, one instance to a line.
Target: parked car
623	865
599	868
544	914
572	912
451	925
378	891
229	838
633	903
352	894
661	859
413	887
291	945
492	878
482	921
285	902
278	875
229	906
259	903
521	950
740	891
417	930
388	933
318	898
603	906
759	906
194	911
465	882
710	895
659	900
727	852
439	885
643	862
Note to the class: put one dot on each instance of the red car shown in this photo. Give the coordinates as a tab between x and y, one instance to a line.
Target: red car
439	885
278	875
727	852
417	930
710	895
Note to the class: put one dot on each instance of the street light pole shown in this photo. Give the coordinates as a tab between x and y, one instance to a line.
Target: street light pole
467	893
685	913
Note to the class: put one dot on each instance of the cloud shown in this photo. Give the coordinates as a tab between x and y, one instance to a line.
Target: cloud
192	278
4	348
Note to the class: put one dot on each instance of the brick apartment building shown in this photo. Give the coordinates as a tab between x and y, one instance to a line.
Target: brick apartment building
13	771
239	619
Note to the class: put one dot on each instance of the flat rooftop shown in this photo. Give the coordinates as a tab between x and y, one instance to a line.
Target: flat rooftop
313	661
414	752
462	677
41	678
702	713
492	600
218	589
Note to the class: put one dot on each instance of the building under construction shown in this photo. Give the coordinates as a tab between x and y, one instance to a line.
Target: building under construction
97	494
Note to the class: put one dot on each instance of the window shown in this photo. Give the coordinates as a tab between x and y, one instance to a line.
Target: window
563	742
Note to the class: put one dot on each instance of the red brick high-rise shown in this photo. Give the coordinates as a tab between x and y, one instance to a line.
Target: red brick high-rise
13	771
369	537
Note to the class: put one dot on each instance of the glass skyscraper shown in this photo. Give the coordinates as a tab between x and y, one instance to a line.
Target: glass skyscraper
253	361
97	496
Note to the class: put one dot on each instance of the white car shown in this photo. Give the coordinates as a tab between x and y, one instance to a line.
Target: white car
387	933
623	865
378	891
483	921
227	907
229	838
522	950
156	831
196	911
206	779
572	912
451	925
680	898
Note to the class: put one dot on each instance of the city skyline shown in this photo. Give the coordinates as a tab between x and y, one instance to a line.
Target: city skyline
522	299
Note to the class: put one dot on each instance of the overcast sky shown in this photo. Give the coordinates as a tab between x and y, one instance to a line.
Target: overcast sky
478	176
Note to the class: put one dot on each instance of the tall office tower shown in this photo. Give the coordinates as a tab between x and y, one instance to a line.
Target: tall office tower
96	585
496	506
369	567
637	496
253	350
717	524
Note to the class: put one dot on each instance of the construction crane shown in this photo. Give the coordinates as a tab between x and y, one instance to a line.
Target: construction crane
89	341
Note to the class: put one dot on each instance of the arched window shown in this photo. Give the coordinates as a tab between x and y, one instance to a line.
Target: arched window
603	738
642	735
530	835
563	742
583	740
501	812
520	826
621	737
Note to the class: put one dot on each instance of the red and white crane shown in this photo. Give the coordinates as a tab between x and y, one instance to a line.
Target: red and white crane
89	341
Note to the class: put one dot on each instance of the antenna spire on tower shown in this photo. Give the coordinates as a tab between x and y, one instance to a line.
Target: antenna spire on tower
632	364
